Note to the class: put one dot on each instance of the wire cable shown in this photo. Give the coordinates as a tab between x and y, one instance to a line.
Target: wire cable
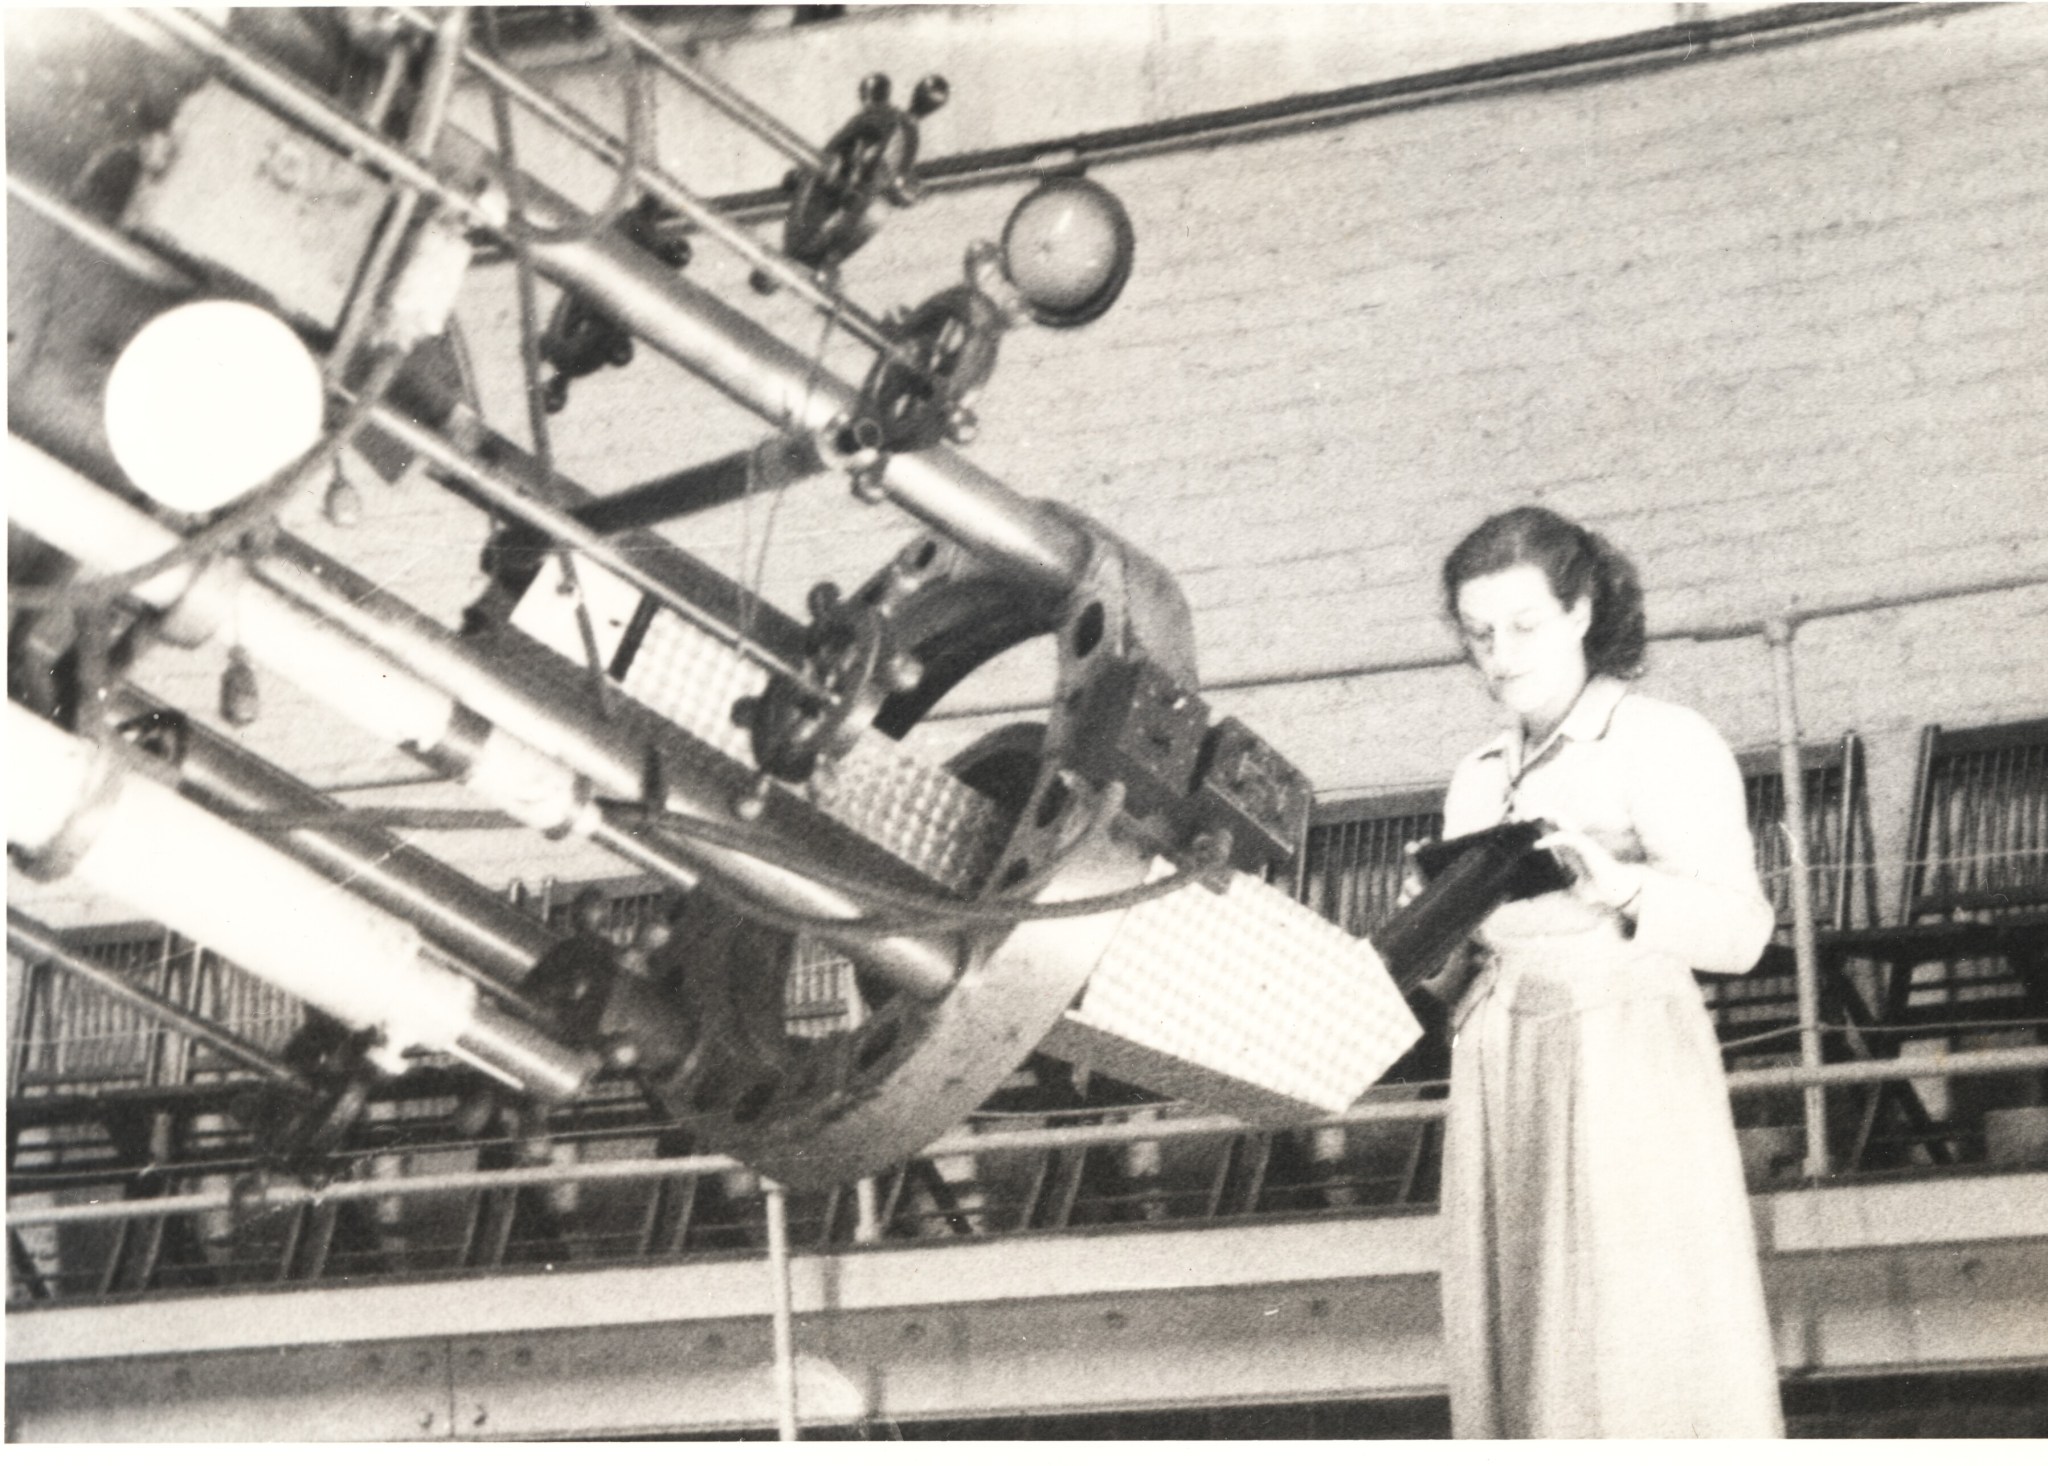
84	595
911	910
536	404
638	103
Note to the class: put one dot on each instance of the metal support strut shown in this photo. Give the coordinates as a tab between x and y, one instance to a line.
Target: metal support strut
1778	634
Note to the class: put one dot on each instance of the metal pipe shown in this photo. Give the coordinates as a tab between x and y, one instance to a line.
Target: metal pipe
706	336
699	332
779	1301
145	264
464	919
1698	631
1703	40
671	191
379	662
1065	1137
567	528
1805	950
764	468
757	120
282	1194
129	837
37	942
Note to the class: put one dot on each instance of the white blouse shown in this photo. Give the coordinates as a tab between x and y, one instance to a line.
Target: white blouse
1654	784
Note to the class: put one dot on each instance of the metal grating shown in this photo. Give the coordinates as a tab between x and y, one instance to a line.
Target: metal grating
1356	855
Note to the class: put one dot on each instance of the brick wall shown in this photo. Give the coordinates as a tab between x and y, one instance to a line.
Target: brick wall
1771	318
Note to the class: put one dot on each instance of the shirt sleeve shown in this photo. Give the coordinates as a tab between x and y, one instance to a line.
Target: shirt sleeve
1701	900
1477	795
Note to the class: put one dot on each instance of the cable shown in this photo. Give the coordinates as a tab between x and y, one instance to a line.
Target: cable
919	912
536	405
638	104
102	590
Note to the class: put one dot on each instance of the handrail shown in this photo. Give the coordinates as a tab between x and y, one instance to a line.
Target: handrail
1051	1138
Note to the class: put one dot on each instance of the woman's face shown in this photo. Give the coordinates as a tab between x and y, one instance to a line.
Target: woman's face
1530	649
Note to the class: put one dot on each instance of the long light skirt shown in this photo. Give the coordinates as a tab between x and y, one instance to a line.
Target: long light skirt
1601	1276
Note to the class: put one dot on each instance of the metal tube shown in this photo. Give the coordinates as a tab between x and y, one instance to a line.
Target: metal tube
144	264
1583	63
464	919
703	334
671	191
142	844
767	466
1697	631
779	1300
568	528
37	942
379	662
1805	951
763	124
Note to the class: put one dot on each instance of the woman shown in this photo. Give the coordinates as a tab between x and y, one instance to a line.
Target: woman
1601	1277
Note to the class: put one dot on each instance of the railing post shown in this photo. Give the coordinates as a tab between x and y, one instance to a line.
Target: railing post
1778	633
778	1286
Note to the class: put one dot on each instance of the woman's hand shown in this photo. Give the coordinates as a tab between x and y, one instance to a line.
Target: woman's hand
1411	875
1597	877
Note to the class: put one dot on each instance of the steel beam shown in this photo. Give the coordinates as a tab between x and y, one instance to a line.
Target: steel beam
1919	1275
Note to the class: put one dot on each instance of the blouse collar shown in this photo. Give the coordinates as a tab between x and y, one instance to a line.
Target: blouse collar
1587	721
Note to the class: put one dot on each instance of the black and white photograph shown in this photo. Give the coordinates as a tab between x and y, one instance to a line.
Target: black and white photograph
1027	722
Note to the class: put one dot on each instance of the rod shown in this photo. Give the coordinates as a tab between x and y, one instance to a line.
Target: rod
1581	63
1794	615
671	191
1065	1137
764	468
565	527
713	89
779	1300
1805	951
37	942
464	919
695	329
145	264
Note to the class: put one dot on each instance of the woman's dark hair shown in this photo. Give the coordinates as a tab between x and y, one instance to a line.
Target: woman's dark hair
1576	562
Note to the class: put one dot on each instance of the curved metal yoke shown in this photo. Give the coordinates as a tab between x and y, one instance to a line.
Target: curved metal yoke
827	1110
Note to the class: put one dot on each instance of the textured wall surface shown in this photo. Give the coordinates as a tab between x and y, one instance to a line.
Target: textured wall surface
1772	318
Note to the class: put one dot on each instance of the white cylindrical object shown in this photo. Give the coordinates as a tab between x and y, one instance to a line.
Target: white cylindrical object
64	508
230	892
71	512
